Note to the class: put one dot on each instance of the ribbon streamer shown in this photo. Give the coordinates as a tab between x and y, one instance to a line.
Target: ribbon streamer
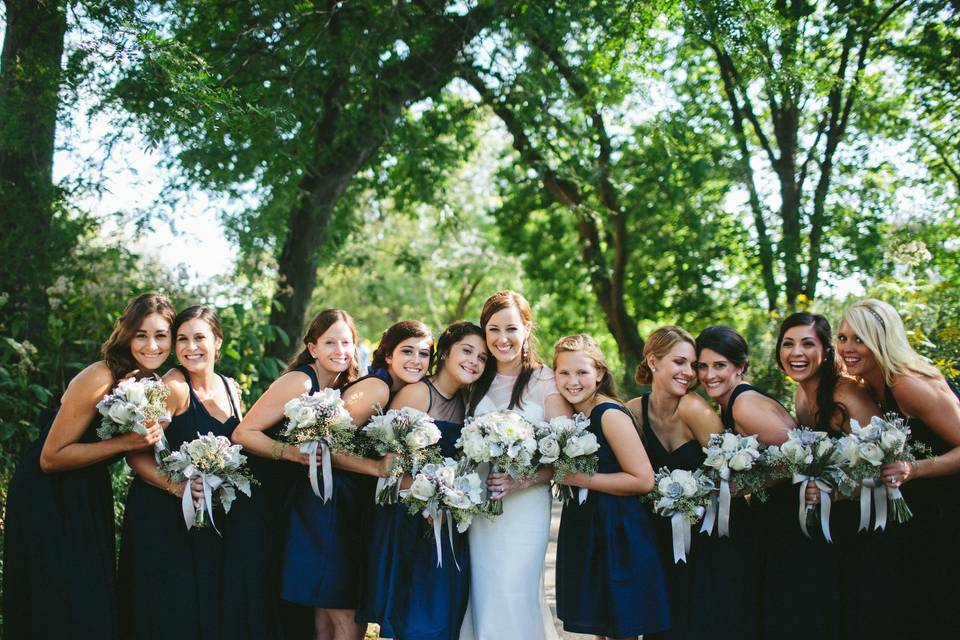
718	509
825	490
680	528
438	518
709	515
326	467
873	491
582	494
210	484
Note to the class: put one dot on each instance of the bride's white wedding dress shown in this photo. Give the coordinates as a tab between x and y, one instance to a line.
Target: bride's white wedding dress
507	554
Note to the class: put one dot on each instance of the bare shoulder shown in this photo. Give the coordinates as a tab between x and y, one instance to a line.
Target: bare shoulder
915	394
850	389
416	396
635	406
94	379
370	390
292	383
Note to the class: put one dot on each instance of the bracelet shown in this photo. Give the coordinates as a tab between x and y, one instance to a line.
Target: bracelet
914	464
276	450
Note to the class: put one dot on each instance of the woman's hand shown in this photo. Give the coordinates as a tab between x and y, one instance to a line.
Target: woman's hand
893	474
405	482
501	484
291	453
385	465
136	441
812	494
196	491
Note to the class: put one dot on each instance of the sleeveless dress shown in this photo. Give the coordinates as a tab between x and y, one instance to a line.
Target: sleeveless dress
713	594
58	550
171	577
928	545
324	551
793	569
507	554
405	592
610	579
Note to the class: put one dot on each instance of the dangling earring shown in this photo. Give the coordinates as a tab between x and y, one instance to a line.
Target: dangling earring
524	350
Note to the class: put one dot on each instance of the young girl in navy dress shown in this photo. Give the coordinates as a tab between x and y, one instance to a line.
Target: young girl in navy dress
873	344
710	594
328	360
610	580
58	547
156	546
404	589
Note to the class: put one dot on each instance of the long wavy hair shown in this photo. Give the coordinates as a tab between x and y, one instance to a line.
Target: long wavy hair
323	321
880	328
530	361
116	350
658	345
829	371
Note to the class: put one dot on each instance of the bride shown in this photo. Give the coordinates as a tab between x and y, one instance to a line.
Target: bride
507	554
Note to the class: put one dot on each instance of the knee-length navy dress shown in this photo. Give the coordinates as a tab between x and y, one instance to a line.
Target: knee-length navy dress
610	580
404	591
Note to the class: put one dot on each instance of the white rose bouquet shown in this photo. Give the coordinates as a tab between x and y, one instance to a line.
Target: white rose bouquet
130	405
682	496
221	467
411	435
505	440
447	489
863	452
809	456
319	421
737	459
570	446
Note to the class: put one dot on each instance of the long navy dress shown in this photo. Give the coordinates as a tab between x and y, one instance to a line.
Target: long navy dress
404	591
58	550
323	556
712	595
171	577
610	580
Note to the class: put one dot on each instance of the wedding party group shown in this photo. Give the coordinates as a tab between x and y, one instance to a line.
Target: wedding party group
418	495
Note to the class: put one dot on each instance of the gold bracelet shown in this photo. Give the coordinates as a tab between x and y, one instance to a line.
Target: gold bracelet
283	447
276	450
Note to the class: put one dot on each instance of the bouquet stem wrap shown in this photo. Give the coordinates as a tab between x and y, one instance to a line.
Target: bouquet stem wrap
825	491
326	467
718	509
874	491
495	506
680	528
582	494
438	518
211	483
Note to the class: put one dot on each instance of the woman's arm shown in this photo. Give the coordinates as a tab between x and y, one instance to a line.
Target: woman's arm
62	450
268	411
362	400
637	475
763	417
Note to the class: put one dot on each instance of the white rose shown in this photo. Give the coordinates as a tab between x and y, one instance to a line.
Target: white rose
871	452
475	448
663	487
715	460
549	450
793	450
584	445
121	413
893	440
849	450
741	461
135	394
417	439
422	488
729	442
688	483
824	447
870	433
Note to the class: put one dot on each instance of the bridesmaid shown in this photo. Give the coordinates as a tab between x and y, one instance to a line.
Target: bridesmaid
873	344
784	578
324	552
826	400
156	546
710	594
328	360
610	580
404	589
58	552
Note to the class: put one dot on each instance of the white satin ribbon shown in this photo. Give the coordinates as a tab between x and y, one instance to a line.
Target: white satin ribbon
438	518
718	509
326	467
210	484
680	528
825	490
873	491
582	495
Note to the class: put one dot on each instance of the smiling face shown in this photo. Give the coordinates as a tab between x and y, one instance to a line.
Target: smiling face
466	360
150	345
856	356
674	373
577	377
717	374
197	346
409	360
333	350
505	333
801	352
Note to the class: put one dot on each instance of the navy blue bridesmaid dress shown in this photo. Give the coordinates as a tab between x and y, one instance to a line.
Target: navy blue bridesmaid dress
172	579
58	550
404	591
323	554
610	579
713	594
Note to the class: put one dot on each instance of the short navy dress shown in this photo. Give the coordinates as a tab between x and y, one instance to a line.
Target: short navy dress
170	575
58	550
713	594
610	580
323	555
404	591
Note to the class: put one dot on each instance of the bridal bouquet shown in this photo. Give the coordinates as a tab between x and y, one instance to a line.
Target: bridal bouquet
682	496
219	464
505	440
809	456
862	454
732	458
446	489
409	433
319	421
570	446
130	406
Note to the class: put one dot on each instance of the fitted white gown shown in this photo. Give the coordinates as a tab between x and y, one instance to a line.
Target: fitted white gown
507	554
